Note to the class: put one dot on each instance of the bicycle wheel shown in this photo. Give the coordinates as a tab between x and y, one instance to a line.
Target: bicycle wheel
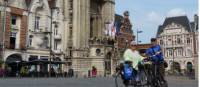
156	83
163	82
116	83
143	78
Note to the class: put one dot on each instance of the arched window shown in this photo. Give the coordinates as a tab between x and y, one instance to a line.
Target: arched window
178	40
188	40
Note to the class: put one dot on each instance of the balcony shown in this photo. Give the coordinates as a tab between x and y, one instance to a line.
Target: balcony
57	37
105	41
14	27
57	52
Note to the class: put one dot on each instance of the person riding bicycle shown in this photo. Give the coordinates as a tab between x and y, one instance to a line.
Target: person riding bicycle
132	57
156	56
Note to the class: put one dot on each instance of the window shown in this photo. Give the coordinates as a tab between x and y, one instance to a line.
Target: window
98	51
178	40
55	31
188	40
46	42
14	20
167	53
161	42
13	34
70	33
55	45
169	41
37	22
32	57
30	40
170	52
13	40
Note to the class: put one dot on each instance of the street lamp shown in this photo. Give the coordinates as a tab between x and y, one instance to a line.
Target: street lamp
138	31
17	74
2	45
173	67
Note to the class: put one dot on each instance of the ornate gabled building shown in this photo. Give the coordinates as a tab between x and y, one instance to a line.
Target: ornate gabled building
178	39
31	32
125	35
14	18
71	31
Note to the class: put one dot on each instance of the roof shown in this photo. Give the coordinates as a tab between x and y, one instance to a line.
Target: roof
160	30
118	18
182	20
192	25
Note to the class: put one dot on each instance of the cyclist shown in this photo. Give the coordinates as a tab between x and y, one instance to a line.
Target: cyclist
156	55
131	56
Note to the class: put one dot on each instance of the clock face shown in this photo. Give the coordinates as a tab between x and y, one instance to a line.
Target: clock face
98	51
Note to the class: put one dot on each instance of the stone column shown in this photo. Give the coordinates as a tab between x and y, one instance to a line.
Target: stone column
95	27
87	22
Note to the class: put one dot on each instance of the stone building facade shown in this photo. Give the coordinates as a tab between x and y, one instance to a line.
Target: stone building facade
62	30
178	38
87	44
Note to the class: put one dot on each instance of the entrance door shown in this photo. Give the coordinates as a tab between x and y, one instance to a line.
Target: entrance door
14	64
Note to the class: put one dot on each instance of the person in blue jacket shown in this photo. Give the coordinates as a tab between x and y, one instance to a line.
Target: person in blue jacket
155	52
156	55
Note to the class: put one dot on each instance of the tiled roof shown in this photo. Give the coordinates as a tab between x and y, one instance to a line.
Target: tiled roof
182	20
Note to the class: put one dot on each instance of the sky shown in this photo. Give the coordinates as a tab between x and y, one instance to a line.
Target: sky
147	15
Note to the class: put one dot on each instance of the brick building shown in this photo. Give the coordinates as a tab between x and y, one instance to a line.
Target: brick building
56	30
125	35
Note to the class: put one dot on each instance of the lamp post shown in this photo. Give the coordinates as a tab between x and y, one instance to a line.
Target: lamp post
173	67
138	31
2	45
17	74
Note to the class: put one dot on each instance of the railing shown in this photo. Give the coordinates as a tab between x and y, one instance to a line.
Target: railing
57	51
107	42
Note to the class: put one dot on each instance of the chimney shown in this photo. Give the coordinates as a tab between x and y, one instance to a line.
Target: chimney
196	17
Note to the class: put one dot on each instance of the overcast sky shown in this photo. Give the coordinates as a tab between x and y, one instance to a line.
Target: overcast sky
146	15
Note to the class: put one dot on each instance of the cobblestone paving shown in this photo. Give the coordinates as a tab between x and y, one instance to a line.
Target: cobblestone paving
82	82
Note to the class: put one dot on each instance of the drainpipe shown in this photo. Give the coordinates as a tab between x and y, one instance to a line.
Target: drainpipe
4	28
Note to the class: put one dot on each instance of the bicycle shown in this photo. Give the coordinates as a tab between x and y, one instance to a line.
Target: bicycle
157	79
138	80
